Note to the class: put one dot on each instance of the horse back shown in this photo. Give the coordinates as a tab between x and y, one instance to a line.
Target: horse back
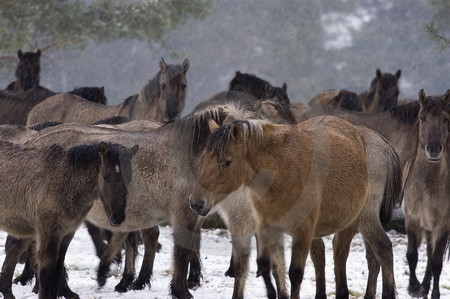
69	108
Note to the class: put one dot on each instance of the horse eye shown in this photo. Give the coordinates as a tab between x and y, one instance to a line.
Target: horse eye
228	162
163	86
183	86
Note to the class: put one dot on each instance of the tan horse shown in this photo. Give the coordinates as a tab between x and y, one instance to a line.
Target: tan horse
300	190
426	206
161	99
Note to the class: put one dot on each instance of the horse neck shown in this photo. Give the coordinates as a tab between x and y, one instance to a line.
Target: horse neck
146	105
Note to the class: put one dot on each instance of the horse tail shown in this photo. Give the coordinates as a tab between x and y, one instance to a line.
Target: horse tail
393	192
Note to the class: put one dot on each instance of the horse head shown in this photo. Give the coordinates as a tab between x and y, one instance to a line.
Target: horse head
28	70
172	89
113	179
434	116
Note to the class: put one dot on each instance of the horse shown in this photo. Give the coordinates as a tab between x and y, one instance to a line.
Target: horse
16	106
382	95
161	99
283	203
426	205
383	92
52	199
158	192
259	88
27	71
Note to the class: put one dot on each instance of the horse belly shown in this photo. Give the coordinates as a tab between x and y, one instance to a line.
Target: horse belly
17	226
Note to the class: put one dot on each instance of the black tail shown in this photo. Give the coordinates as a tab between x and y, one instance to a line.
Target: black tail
393	192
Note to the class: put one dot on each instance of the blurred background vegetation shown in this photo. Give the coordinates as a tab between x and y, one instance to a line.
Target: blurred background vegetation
312	45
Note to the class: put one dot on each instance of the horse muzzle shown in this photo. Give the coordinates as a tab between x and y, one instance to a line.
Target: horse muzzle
199	206
434	152
117	220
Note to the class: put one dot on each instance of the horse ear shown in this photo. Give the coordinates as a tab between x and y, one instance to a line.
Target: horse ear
20	54
102	148
133	150
398	74
185	65
238	74
102	89
284	87
378	73
212	125
422	97
447	97
38	52
162	64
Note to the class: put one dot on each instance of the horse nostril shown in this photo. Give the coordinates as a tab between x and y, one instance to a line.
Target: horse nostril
427	148
198	206
441	148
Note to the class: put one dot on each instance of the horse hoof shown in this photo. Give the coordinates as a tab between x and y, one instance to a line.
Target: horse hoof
416	292
181	295
193	284
138	286
229	273
22	280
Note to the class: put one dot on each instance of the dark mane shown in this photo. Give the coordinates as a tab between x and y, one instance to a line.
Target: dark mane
41	126
197	125
250	83
92	94
114	120
406	113
348	100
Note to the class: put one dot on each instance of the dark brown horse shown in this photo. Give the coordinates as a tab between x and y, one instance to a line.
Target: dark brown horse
27	71
259	88
46	194
426	206
383	93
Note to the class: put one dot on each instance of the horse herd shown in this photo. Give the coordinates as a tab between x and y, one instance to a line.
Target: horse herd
337	165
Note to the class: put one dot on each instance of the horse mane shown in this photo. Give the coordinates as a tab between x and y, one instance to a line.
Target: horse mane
114	120
278	93
244	82
284	111
92	94
219	139
407	113
44	125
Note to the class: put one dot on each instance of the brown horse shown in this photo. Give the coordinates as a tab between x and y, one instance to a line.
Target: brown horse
161	99
299	191
343	98
46	194
426	193
27	72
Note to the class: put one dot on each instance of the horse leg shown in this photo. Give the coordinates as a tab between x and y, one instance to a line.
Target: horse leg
341	248
375	236
414	287
98	238
130	260
185	231
428	274
301	243
108	256
195	265
150	238
63	289
15	248
317	253
29	267
47	254
440	244
374	270
271	256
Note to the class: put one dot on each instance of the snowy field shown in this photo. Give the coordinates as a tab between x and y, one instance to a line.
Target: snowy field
216	247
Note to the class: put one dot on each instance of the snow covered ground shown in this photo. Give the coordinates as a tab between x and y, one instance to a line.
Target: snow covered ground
82	263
